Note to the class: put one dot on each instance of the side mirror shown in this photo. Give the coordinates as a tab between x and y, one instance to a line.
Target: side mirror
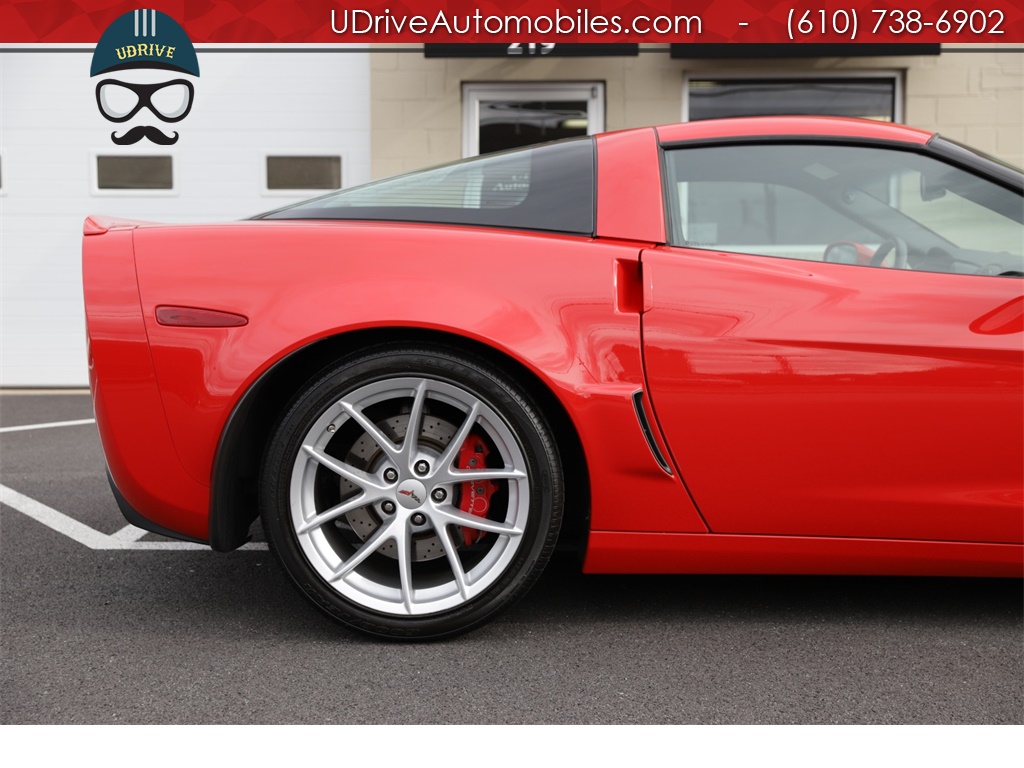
848	253
931	191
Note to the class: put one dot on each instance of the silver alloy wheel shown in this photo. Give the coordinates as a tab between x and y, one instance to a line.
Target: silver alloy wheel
370	534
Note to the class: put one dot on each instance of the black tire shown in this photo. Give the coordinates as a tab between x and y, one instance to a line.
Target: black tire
328	485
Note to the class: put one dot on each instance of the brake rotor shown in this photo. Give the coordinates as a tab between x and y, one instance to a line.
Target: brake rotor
435	434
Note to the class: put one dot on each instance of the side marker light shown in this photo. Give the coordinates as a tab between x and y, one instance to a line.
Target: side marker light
191	317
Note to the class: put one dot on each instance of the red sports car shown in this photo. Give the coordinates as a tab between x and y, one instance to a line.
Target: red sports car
770	345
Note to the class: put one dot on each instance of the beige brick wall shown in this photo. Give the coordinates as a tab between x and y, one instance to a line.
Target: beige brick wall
416	103
971	97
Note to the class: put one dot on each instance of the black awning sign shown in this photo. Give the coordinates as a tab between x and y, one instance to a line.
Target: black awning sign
526	50
799	50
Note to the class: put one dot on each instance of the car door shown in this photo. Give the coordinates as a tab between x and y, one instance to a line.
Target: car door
833	341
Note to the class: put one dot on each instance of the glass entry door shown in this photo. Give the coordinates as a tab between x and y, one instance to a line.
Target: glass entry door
500	116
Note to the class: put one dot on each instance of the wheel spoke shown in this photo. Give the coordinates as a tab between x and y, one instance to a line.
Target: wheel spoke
403	545
336	511
392	450
453	560
371	545
412	431
471	475
364	480
444	462
453	516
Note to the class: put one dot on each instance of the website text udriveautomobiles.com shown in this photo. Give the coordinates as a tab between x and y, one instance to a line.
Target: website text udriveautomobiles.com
362	22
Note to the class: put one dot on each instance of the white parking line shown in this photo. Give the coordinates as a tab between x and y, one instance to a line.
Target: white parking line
126	538
48	425
129	533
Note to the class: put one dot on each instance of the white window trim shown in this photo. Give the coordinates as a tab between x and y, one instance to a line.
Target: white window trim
896	75
474	93
94	174
265	191
4	173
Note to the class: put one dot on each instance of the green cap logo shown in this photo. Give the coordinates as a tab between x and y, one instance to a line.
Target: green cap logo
144	39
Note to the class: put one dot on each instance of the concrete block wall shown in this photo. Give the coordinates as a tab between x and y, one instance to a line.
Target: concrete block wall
416	103
973	97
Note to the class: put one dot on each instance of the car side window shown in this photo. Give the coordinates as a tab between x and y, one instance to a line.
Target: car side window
547	188
857	205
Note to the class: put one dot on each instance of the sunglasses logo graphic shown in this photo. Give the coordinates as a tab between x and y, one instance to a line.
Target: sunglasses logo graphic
144	47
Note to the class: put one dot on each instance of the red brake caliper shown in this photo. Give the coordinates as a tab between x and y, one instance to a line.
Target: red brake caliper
475	496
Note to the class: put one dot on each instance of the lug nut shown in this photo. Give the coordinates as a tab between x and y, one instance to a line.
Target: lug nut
388	507
390	474
419	518
421	467
438	494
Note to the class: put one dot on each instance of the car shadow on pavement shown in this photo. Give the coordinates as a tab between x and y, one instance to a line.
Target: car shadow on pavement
249	591
566	592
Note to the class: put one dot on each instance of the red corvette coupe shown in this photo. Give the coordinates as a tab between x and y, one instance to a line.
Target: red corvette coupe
769	345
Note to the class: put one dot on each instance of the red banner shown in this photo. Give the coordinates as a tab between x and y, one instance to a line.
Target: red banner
984	22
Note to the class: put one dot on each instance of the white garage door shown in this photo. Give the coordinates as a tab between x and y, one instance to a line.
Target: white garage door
262	124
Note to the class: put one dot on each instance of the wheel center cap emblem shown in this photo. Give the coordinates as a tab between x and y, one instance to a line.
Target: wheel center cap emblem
411	494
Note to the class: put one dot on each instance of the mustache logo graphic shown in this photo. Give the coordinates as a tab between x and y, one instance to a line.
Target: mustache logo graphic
141	132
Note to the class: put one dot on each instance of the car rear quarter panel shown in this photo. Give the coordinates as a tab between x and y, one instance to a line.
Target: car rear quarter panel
556	304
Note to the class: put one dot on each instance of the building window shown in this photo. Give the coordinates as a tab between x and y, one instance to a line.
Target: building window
301	172
867	95
134	172
500	116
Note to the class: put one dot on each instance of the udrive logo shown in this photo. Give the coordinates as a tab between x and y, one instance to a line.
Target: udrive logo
143	47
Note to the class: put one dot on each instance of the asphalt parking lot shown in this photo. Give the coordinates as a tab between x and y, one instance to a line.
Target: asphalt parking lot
114	627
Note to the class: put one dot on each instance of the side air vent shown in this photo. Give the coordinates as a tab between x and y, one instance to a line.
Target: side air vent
645	427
